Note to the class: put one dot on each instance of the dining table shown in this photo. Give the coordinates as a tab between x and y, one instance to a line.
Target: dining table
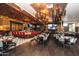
5	40
70	39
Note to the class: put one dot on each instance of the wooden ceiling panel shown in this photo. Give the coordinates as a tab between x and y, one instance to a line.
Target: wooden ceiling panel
10	12
13	11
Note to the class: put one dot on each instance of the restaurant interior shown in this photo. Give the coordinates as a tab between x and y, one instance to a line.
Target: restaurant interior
39	29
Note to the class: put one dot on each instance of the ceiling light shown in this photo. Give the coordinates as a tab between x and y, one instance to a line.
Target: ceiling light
49	5
65	24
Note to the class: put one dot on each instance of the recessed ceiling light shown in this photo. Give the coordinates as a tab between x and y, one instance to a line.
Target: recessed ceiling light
49	5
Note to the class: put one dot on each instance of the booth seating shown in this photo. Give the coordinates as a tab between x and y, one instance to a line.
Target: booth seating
35	33
2	33
24	34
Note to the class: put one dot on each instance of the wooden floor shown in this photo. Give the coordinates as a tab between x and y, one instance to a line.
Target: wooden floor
51	49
